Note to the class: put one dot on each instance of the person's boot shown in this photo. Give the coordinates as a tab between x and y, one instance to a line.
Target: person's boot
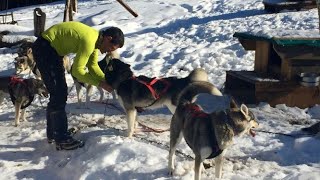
70	132
69	144
62	137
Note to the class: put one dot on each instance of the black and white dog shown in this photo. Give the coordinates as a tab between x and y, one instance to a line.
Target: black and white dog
136	93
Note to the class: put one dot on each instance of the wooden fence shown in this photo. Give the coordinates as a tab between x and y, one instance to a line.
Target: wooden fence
8	4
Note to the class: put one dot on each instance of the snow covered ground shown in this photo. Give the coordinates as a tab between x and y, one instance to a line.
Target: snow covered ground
169	38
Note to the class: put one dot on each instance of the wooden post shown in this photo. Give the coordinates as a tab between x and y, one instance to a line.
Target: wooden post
261	56
39	19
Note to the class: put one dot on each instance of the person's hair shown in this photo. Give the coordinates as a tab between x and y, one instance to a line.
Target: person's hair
116	34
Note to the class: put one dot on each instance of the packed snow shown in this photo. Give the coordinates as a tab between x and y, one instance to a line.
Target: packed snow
168	38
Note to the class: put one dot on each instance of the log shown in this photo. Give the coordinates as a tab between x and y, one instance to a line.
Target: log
128	8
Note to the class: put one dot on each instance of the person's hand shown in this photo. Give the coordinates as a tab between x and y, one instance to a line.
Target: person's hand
105	86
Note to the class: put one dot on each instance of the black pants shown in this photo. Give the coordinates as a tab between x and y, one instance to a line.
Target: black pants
50	65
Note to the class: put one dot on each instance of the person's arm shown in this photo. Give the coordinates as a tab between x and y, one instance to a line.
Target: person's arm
93	66
96	71
79	66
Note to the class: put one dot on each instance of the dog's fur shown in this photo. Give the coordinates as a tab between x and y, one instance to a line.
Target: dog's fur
207	134
133	94
21	93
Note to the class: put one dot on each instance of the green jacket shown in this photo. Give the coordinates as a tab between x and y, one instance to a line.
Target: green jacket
78	38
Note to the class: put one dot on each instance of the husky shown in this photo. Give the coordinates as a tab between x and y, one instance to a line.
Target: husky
138	93
207	134
22	92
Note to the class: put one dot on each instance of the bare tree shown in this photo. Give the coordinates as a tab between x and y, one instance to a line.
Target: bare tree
71	6
67	13
74	5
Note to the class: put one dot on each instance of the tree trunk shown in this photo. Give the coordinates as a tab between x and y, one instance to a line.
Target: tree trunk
67	12
75	5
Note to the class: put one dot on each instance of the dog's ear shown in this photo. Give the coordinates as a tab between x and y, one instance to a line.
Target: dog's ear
29	53
245	111
117	71
233	104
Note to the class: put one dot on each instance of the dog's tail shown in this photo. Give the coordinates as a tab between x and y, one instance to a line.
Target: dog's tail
189	93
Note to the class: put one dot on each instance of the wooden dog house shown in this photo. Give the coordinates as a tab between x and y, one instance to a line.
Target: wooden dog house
279	59
276	6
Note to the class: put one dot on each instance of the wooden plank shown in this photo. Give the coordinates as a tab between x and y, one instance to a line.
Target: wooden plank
302	97
297	52
261	56
286	70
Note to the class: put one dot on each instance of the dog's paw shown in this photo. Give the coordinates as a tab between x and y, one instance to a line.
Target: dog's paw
170	173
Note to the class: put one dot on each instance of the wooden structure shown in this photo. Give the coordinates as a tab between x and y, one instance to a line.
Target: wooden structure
70	7
7	18
278	62
276	6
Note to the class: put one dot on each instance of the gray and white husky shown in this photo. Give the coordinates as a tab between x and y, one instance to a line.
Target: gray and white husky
207	134
22	92
137	93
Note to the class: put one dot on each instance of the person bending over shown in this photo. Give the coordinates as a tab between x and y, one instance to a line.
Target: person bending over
48	51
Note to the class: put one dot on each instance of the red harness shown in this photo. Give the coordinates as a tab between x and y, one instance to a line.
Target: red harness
195	111
16	80
150	86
